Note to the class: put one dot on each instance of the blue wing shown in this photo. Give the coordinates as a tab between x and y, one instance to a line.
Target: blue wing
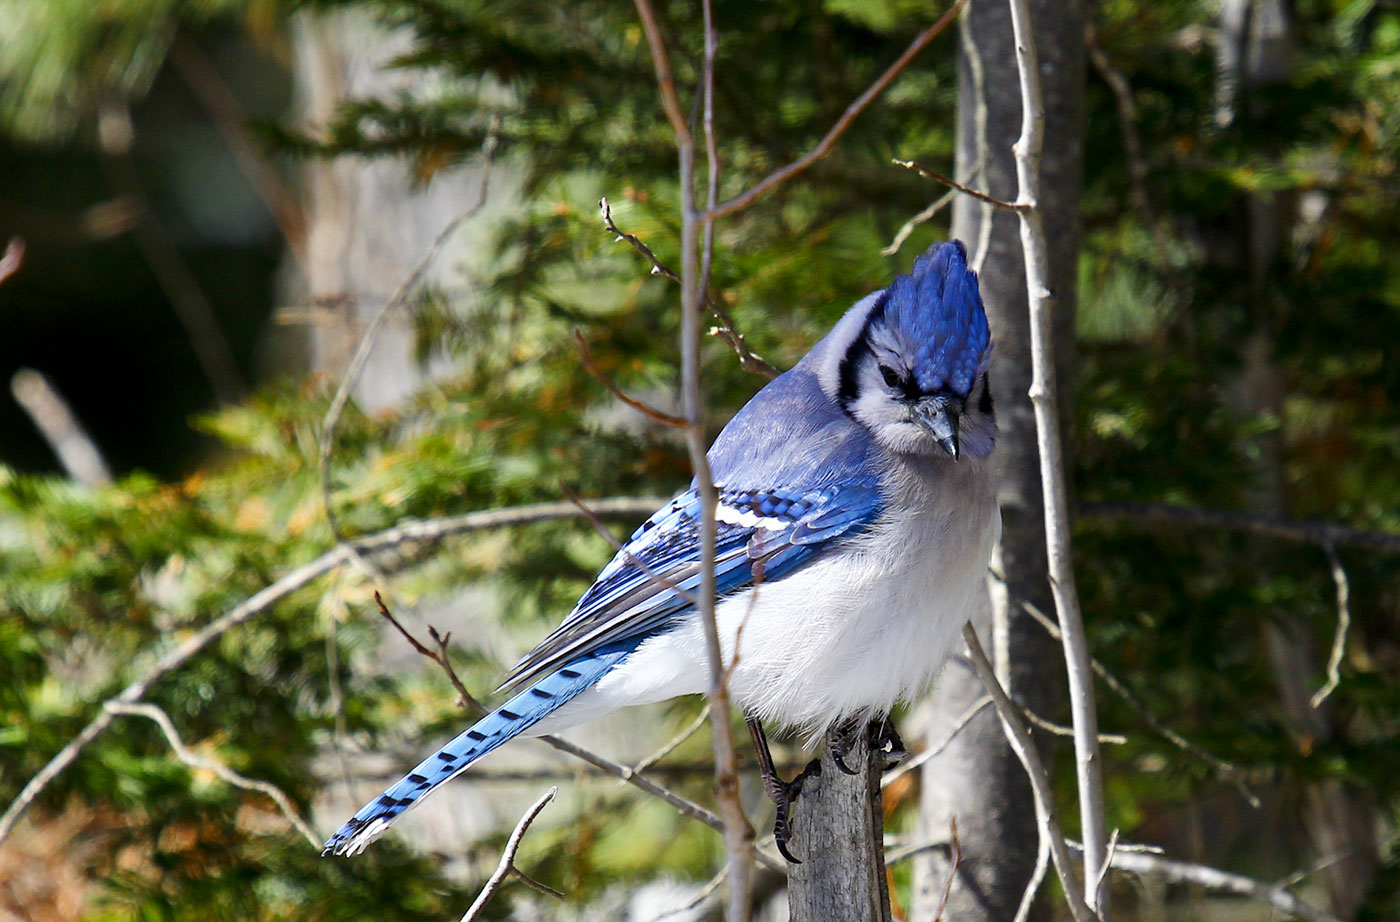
762	535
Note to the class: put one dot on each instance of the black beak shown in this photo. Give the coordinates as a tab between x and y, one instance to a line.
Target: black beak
940	418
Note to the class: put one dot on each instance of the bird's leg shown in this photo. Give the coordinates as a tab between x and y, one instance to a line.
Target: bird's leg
782	793
842	740
889	737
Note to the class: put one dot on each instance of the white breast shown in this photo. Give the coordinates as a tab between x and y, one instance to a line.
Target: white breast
847	635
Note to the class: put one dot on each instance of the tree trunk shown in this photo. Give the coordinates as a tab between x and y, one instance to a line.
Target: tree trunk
839	829
977	779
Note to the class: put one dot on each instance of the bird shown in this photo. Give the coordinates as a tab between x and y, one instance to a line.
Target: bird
855	522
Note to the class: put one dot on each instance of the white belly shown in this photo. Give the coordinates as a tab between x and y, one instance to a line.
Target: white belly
847	635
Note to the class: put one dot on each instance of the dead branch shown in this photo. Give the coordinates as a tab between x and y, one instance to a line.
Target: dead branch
956	186
650	412
1043	395
1019	736
1339	639
12	259
59	425
783	174
1226	770
219	769
738	834
1138	862
424	532
748	359
507	863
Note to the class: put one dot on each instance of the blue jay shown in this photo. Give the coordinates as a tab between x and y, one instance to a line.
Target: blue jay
856	518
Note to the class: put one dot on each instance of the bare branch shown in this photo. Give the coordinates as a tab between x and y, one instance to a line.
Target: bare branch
690	730
1049	726
371	333
222	771
952	870
1042	866
423	532
12	259
738	834
912	764
650	412
937	205
1184	872
1227	770
1026	151
507	862
59	425
783	174
618	546
1323	533
749	360
956	186
1339	639
1019	736
632	776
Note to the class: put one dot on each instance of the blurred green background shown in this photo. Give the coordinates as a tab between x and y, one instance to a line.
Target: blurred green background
217	197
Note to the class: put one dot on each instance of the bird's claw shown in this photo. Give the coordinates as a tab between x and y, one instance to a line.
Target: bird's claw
784	794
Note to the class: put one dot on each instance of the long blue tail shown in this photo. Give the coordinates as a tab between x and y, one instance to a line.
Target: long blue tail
506	722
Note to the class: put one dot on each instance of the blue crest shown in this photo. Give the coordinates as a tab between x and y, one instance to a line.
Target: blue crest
938	310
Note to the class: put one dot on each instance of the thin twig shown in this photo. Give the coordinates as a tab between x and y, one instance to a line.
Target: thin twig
623	772
1043	395
748	359
13	258
912	764
1227	770
650	571
371	334
956	186
1323	533
650	412
222	771
1107	863
1339	639
1042	867
783	174
1049	726
439	656
922	217
952	870
738	834
424	532
699	897
690	730
1184	872
507	862
1019	736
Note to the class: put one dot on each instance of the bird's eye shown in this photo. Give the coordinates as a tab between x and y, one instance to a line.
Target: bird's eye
890	375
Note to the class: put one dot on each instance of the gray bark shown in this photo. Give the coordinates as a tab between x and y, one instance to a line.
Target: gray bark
838	833
977	779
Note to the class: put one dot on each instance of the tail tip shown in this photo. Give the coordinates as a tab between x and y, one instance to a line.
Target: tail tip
354	837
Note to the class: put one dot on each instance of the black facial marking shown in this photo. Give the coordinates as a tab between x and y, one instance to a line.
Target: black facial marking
848	386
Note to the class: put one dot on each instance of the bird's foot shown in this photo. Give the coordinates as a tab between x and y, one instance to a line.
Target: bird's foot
784	794
842	741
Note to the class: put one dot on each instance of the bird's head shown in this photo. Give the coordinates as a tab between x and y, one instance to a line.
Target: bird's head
910	362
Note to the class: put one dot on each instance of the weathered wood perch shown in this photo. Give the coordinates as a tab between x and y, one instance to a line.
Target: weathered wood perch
838	833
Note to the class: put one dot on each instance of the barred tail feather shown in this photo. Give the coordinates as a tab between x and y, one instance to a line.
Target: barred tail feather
505	723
